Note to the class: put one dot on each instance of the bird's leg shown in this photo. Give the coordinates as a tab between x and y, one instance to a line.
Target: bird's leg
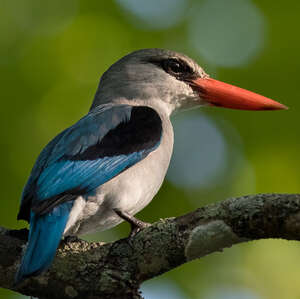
136	224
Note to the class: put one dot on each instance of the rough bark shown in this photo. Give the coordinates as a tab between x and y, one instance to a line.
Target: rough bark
116	270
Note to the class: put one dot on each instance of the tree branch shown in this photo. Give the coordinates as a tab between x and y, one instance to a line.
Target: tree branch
116	270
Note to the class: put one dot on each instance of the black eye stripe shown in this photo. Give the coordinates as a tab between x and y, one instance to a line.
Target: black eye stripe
173	66
176	67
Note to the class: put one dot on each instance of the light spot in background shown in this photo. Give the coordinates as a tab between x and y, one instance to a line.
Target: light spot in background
41	17
199	152
161	289
227	33
231	293
155	14
206	157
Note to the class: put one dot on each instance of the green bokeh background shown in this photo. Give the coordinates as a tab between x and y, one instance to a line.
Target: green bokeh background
52	55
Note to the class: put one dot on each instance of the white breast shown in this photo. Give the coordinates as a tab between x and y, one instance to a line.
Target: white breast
130	191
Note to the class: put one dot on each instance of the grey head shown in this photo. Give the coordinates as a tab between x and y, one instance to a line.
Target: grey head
153	77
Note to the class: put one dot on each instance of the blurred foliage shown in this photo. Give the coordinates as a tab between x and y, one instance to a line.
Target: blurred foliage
52	54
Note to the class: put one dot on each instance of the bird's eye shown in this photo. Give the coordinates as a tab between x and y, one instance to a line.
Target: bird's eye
174	67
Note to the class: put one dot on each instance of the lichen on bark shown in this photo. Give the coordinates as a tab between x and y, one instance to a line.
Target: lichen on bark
116	270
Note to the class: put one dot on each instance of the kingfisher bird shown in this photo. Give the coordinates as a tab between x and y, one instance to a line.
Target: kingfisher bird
110	164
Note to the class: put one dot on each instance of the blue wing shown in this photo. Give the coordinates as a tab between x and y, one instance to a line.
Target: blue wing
100	146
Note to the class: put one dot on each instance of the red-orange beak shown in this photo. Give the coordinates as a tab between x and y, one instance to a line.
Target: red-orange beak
217	93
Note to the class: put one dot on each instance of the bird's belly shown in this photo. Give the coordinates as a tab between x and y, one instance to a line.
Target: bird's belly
130	191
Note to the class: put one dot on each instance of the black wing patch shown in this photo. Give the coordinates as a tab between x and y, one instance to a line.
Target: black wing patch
142	131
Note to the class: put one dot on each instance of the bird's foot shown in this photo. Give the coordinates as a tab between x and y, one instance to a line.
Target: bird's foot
136	224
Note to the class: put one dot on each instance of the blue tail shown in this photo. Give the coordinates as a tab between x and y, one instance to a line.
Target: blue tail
44	236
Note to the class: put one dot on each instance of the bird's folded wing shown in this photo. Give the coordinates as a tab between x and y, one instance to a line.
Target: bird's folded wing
97	148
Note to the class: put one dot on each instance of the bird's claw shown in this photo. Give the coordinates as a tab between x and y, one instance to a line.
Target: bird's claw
136	224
